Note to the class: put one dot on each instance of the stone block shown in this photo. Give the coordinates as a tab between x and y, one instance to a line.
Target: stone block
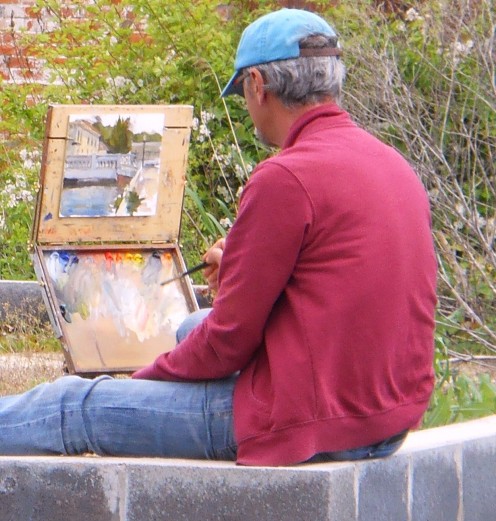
58	489
342	491
479	483
382	490
436	484
200	493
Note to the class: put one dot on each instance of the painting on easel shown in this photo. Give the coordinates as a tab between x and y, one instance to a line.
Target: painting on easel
106	232
112	165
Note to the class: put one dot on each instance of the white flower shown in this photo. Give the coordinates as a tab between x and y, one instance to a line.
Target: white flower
412	15
170	56
26	196
239	172
28	164
224	192
127	12
120	81
204	130
463	47
13	193
12	201
207	116
226	222
223	159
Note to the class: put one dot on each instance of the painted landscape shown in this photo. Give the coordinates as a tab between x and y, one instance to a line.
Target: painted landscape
112	165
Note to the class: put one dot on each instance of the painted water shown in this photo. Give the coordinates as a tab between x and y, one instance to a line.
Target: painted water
89	201
136	197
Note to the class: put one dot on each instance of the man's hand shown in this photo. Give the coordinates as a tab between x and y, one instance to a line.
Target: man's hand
213	256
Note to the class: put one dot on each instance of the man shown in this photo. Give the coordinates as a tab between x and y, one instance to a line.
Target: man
320	341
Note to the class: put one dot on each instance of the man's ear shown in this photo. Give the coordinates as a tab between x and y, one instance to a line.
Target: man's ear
258	83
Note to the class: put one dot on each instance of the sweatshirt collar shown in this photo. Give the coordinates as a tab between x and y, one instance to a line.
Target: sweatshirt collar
328	110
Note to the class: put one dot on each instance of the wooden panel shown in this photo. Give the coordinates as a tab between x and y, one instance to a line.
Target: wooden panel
157	186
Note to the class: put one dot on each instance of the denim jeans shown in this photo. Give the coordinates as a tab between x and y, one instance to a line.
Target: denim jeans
377	450
124	417
121	417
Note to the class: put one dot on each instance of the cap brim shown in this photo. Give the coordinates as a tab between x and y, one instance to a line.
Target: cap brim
232	87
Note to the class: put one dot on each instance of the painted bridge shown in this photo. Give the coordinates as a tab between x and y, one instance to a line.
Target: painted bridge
99	168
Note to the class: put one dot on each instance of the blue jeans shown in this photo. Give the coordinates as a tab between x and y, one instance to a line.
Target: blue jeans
124	417
378	450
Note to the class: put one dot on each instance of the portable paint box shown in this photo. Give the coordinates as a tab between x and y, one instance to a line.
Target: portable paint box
106	232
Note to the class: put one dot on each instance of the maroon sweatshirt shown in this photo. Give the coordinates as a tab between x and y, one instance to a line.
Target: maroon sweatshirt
326	299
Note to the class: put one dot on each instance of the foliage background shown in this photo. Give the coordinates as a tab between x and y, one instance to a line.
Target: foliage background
422	78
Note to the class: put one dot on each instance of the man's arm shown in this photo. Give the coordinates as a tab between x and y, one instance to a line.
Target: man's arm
257	263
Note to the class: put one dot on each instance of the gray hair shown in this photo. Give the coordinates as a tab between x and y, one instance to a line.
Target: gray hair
306	80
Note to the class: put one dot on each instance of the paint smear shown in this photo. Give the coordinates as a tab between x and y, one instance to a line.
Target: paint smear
114	306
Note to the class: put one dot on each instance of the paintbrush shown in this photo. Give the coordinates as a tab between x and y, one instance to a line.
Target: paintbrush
185	273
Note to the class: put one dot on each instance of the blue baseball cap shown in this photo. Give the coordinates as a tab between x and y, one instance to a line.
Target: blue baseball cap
274	37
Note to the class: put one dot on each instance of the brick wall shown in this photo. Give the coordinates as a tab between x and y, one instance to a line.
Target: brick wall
18	16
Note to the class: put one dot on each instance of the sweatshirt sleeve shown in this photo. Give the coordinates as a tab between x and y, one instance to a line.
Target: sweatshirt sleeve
260	254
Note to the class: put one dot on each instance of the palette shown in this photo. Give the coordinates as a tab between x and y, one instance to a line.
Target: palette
106	232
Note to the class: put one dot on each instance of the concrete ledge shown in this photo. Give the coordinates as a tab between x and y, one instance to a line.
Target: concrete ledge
443	474
21	300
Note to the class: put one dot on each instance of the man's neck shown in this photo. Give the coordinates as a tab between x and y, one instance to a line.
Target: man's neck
284	117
